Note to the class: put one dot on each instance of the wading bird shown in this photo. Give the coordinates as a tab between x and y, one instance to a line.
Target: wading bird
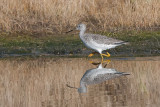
97	42
98	75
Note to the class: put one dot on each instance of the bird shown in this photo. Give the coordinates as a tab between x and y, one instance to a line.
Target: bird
98	75
97	42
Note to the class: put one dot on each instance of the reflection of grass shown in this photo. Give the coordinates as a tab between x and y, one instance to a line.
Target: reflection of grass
44	80
141	43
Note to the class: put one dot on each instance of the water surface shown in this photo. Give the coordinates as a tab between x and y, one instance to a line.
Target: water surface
43	82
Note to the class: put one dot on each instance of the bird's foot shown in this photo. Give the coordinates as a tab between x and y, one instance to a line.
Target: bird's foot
90	55
107	61
94	63
107	55
91	62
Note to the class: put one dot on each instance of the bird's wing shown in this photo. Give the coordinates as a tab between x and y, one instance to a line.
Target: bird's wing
101	39
95	76
102	77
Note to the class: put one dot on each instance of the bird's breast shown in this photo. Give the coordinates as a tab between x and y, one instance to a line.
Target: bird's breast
86	42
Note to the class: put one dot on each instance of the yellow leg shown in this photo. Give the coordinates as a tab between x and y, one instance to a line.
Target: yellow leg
90	55
102	58
107	55
91	62
108	61
94	63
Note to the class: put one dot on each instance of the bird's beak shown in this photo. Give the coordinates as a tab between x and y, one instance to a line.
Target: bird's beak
70	31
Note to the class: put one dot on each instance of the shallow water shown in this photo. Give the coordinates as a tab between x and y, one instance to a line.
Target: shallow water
45	82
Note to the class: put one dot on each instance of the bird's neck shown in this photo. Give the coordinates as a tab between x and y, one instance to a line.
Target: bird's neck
83	86
82	32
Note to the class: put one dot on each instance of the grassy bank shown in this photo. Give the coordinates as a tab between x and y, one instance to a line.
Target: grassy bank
71	45
56	16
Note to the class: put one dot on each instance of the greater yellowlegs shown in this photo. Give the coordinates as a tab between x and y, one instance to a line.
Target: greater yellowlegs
98	75
97	42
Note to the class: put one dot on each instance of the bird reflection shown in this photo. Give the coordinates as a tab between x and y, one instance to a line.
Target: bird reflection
98	75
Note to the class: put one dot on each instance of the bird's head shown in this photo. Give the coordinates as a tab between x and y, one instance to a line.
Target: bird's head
82	90
81	27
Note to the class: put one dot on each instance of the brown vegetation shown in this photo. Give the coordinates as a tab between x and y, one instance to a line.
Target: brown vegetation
58	15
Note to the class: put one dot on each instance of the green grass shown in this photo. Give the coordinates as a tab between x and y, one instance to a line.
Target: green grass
142	43
27	44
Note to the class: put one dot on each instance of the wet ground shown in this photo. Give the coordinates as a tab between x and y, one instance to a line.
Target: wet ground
141	43
53	82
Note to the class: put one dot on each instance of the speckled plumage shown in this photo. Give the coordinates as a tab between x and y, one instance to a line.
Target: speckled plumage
97	42
98	75
100	39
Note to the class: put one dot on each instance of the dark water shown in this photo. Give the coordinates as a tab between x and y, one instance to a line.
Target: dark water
45	82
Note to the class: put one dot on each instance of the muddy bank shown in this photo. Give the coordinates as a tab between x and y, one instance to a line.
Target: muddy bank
146	43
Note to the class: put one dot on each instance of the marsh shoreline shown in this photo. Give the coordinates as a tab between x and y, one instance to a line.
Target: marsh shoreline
142	43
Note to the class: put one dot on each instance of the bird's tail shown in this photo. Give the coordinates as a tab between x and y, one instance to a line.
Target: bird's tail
124	73
124	42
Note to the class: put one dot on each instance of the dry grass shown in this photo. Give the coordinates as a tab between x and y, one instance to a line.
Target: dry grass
57	15
42	83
